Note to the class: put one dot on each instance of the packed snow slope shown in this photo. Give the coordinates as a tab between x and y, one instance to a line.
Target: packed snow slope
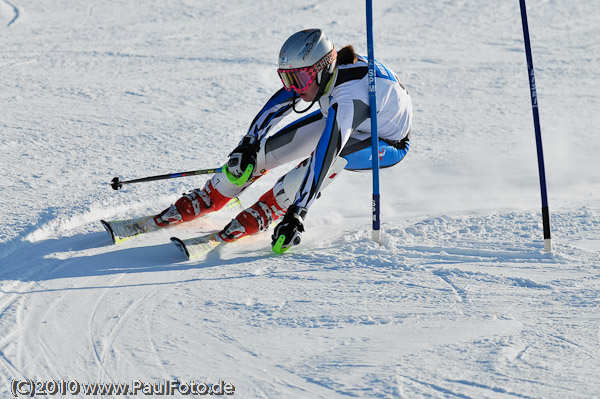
459	301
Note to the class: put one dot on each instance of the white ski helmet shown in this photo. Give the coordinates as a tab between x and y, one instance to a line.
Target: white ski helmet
305	56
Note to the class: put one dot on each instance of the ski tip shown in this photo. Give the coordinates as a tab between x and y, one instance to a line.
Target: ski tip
109	230
179	244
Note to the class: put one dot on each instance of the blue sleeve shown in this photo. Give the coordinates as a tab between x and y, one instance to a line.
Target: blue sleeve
273	111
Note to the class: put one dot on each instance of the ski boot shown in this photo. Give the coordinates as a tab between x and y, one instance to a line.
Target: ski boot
197	203
254	219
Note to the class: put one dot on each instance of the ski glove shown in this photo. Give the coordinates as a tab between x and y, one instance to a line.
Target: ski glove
242	161
289	232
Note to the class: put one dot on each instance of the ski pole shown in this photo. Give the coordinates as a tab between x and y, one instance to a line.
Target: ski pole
116	183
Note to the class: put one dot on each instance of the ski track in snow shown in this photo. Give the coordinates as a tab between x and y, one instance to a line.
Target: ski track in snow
459	301
14	10
101	356
462	264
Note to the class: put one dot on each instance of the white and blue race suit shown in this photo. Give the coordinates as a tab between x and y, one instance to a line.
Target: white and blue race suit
341	127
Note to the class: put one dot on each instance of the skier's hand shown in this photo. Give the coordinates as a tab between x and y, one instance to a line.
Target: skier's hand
242	160
289	232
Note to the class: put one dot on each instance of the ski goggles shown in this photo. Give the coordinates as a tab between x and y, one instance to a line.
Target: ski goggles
297	79
300	78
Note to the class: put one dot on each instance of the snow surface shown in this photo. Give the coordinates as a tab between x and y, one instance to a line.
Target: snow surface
460	301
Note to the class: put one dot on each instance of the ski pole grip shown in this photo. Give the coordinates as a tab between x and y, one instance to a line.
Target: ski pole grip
278	244
239	181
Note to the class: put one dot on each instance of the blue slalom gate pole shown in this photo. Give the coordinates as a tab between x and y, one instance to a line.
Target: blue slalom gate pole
538	130
376	234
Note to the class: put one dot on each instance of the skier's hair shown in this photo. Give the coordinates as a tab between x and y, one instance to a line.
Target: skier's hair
346	55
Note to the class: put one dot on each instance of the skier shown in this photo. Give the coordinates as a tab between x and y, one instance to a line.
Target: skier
333	138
